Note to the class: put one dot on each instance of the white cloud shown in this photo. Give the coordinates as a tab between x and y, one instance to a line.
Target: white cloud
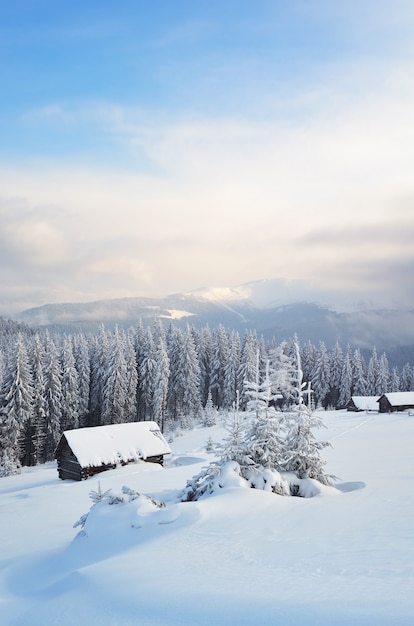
311	189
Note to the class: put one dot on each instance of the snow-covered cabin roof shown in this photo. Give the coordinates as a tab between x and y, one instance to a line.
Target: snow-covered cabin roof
399	398
365	403
116	443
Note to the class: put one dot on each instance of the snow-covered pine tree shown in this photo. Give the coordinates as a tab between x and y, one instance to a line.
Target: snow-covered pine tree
98	350
373	375
209	412
359	379
384	374
83	367
161	382
231	367
219	361
204	359
39	422
337	361
175	341
16	408
2	366
264	439
115	383
321	376
234	446
248	366
130	408
303	448
147	374
53	388
138	339
282	373
308	357
395	381
407	378
70	388
345	392
190	378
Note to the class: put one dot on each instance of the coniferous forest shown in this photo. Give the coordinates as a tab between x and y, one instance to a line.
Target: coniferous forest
52	382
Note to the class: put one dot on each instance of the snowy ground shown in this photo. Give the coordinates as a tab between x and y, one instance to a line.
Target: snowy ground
239	557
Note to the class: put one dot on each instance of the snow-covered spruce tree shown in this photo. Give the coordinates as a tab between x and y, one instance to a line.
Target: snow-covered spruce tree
373	387
233	447
264	440
359	379
219	360
337	360
161	381
115	382
2	366
16	408
147	374
191	405
304	450
395	381
130	408
98	350
70	388
321	376
345	391
307	356
83	367
283	374
248	365
384	374
407	378
209	412
230	370
204	359
39	422
53	388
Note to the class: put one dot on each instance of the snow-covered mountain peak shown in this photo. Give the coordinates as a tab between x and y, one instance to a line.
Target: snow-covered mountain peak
217	294
262	294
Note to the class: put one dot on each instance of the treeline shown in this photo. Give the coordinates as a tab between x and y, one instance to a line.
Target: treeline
54	383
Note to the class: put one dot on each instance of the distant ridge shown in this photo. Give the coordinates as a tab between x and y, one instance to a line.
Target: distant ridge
255	306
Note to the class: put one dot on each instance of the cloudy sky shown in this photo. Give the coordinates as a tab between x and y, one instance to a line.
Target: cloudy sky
149	147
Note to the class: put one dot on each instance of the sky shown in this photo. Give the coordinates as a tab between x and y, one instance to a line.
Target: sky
155	147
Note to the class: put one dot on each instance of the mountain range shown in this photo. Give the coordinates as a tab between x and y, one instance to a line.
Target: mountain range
266	306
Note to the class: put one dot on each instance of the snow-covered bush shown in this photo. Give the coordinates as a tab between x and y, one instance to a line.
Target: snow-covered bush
268	480
134	506
210	479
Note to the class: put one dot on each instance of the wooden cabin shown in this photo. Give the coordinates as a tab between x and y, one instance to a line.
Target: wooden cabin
363	403
396	401
83	452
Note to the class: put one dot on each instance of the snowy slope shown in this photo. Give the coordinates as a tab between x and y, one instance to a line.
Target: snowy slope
240	557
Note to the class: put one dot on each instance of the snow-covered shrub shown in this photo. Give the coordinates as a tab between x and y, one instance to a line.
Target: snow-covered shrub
133	504
268	480
210	479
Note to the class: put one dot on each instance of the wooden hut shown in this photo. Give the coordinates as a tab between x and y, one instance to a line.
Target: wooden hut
396	401
83	452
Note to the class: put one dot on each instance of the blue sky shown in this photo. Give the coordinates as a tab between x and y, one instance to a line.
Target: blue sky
154	147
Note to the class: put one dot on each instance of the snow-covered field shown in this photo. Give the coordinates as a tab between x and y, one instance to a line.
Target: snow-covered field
240	557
